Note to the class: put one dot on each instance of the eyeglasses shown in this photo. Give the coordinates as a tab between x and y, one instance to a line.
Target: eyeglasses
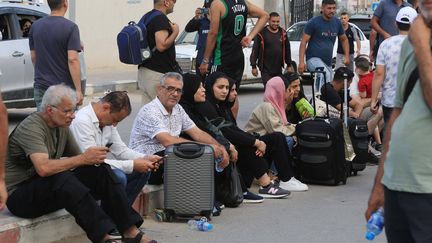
172	89
69	112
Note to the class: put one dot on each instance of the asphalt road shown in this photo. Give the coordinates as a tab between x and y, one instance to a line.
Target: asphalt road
323	214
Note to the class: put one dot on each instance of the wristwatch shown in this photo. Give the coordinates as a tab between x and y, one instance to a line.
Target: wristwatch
205	61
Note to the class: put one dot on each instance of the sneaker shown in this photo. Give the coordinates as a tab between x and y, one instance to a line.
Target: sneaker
273	191
219	205
249	197
293	185
374	151
378	147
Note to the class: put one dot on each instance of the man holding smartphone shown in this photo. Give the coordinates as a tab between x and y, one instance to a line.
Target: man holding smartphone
95	125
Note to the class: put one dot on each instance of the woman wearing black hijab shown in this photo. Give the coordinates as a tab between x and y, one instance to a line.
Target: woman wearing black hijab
251	162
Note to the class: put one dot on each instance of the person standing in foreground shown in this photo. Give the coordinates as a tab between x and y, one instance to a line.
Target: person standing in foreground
402	183
271	49
161	35
3	147
319	36
54	45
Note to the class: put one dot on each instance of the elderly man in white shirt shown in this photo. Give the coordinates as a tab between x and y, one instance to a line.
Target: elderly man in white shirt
95	125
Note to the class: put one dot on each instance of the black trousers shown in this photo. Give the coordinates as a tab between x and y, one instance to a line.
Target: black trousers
407	216
77	192
278	152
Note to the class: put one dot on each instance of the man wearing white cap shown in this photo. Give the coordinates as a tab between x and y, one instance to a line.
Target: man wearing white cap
387	63
404	175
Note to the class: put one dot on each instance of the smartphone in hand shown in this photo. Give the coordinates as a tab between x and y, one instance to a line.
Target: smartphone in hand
160	160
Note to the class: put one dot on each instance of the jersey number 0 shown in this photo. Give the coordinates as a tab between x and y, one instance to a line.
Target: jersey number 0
239	24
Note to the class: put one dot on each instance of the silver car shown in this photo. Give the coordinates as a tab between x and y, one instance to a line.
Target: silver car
16	81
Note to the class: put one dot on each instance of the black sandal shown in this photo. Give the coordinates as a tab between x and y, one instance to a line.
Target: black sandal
136	239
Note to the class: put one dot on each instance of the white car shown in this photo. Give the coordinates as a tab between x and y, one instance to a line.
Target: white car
295	33
17	79
186	53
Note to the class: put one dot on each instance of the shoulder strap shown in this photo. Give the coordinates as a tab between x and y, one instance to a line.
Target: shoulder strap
148	17
412	80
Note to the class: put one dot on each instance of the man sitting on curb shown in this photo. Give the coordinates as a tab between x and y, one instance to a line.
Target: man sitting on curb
46	171
160	122
96	125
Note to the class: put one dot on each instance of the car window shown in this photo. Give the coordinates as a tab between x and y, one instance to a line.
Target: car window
25	22
188	38
295	33
5	27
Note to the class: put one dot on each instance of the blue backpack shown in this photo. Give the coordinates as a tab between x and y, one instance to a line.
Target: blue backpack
132	40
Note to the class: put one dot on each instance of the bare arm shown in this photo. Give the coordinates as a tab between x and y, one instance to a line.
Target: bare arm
375	25
358	46
3	149
305	39
420	36
166	139
47	167
345	46
203	137
74	69
376	198
33	56
376	85
164	40
372	40
262	16
217	9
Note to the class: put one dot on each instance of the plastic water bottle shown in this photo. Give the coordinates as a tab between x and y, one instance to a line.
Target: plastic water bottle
375	224
201	225
217	164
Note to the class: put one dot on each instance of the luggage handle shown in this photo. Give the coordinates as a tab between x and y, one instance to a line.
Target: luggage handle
314	73
188	150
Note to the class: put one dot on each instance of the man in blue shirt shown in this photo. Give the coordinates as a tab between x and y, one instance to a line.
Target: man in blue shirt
320	35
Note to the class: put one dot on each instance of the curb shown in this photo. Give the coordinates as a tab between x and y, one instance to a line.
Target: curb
119	85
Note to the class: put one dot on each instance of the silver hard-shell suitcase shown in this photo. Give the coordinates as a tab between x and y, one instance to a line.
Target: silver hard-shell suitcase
188	180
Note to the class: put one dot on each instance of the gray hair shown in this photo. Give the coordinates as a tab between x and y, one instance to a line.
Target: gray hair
173	75
55	94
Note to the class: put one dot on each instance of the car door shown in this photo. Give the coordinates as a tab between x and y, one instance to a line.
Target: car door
11	57
23	15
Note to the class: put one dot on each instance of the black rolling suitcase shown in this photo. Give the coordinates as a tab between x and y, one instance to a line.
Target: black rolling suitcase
188	181
358	131
321	152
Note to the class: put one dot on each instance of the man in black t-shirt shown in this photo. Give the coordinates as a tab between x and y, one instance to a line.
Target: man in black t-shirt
271	49
352	35
332	92
161	35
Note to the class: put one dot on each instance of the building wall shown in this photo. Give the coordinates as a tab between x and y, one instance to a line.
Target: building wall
100	21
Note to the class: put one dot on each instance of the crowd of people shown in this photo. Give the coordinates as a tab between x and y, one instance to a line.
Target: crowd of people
62	157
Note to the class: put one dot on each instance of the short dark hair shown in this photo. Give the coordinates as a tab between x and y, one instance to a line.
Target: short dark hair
274	14
362	63
55	4
343	13
342	73
118	100
402	26
328	2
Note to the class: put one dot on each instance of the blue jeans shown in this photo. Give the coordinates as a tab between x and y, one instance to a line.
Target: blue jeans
314	63
133	183
38	94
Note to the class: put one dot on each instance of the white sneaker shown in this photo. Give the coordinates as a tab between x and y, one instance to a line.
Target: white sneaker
374	151
293	185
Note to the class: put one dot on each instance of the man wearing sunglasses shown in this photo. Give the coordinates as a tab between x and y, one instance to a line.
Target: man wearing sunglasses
160	122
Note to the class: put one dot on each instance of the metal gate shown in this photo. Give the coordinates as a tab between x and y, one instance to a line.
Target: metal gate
301	10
